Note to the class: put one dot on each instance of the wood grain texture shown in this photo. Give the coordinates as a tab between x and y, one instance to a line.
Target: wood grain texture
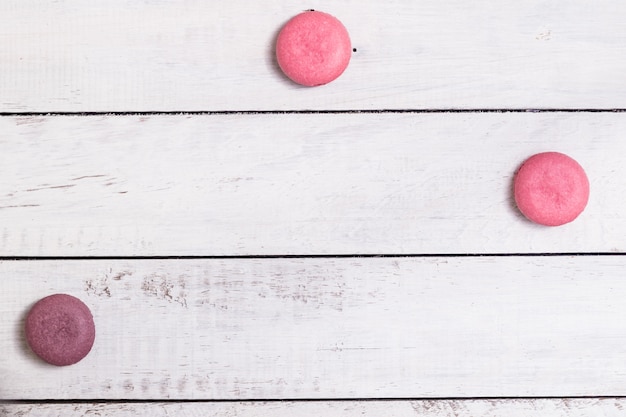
579	407
298	184
326	328
159	55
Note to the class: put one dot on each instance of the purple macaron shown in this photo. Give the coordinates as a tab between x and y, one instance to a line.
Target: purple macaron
60	329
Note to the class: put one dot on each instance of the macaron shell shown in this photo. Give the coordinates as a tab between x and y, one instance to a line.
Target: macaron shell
60	329
313	48
551	189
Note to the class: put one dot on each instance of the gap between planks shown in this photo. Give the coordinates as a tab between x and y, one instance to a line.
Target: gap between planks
296	256
281	112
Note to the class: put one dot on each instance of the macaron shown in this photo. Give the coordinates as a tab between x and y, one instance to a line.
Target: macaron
313	48
551	189
60	329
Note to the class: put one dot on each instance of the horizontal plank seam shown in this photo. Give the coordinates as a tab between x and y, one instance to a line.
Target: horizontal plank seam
346	111
312	256
385	399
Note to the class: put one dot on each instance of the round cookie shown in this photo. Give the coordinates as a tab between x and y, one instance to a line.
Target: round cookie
551	189
60	329
313	48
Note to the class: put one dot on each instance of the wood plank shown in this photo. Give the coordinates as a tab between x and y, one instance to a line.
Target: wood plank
346	328
116	55
298	184
567	407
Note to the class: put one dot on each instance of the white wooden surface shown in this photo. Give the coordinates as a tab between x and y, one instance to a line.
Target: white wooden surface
567	407
327	328
298	184
272	183
164	55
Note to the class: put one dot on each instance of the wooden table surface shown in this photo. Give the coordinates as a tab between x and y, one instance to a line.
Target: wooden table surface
351	249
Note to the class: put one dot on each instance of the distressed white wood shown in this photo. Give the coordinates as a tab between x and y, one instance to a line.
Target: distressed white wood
327	328
298	184
115	55
312	184
567	407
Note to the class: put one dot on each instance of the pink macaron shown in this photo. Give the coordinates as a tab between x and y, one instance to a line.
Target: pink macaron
551	189
60	329
313	48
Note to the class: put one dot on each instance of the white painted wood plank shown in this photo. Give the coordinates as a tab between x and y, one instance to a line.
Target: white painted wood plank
575	407
298	184
115	55
327	328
